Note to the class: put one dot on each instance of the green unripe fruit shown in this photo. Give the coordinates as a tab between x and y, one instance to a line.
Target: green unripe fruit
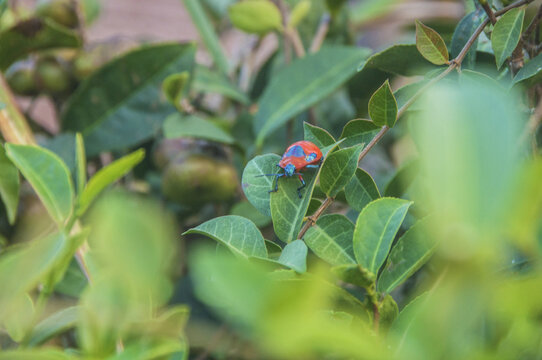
198	179
53	76
63	12
21	78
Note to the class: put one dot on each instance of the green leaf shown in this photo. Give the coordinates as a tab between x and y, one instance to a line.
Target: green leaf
402	179
375	230
338	169
304	83
208	81
388	311
106	176
255	16
9	186
462	34
246	209
403	60
294	256
31	35
255	186
405	93
431	45
530	73
358	131
287	209
239	234
81	163
207	34
298	13
20	319
22	268
49	177
153	349
412	250
354	274
64	145
103	106
331	239
383	106
37	354
318	136
361	190
174	87
506	34
53	325
177	125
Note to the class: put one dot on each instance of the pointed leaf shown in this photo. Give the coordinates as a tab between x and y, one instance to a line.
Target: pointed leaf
361	190
208	81
298	13
320	137
304	83
358	131
174	87
412	250
177	125
255	16
20	318
431	45
294	256
506	34
49	177
103	107
239	234
331	239
462	34
375	230
9	185
412	62
31	35
530	73
106	176
53	325
287	209
255	186
338	169
35	354
383	106
81	163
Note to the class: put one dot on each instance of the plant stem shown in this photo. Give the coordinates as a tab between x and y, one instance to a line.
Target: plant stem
532	26
321	33
489	11
453	64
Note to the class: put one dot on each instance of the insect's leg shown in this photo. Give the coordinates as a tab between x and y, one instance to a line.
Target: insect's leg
301	187
276	188
312	166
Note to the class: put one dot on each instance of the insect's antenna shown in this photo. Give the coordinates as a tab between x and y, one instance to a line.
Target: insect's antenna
269	175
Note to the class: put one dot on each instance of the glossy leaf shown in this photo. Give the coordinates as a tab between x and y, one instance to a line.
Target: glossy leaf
530	72
246	209
331	239
81	163
462	34
412	62
208	81
255	186
21	269
177	125
49	177
318	136
431	45
375	230
174	87
255	16
106	176
338	169
412	250
239	234
383	106
19	320
361	190
9	186
294	256
207	34
34	34
53	325
506	34
296	88
103	107
358	131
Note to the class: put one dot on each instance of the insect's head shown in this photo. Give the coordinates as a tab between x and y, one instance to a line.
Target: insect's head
289	170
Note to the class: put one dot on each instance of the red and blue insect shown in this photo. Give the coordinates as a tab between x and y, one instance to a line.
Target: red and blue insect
298	157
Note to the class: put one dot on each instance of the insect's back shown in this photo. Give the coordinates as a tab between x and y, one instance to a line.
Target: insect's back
301	154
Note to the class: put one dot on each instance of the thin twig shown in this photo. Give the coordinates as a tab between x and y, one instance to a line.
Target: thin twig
453	64
532	26
293	34
321	33
489	11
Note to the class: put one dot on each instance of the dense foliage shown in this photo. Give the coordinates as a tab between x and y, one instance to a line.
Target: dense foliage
140	224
